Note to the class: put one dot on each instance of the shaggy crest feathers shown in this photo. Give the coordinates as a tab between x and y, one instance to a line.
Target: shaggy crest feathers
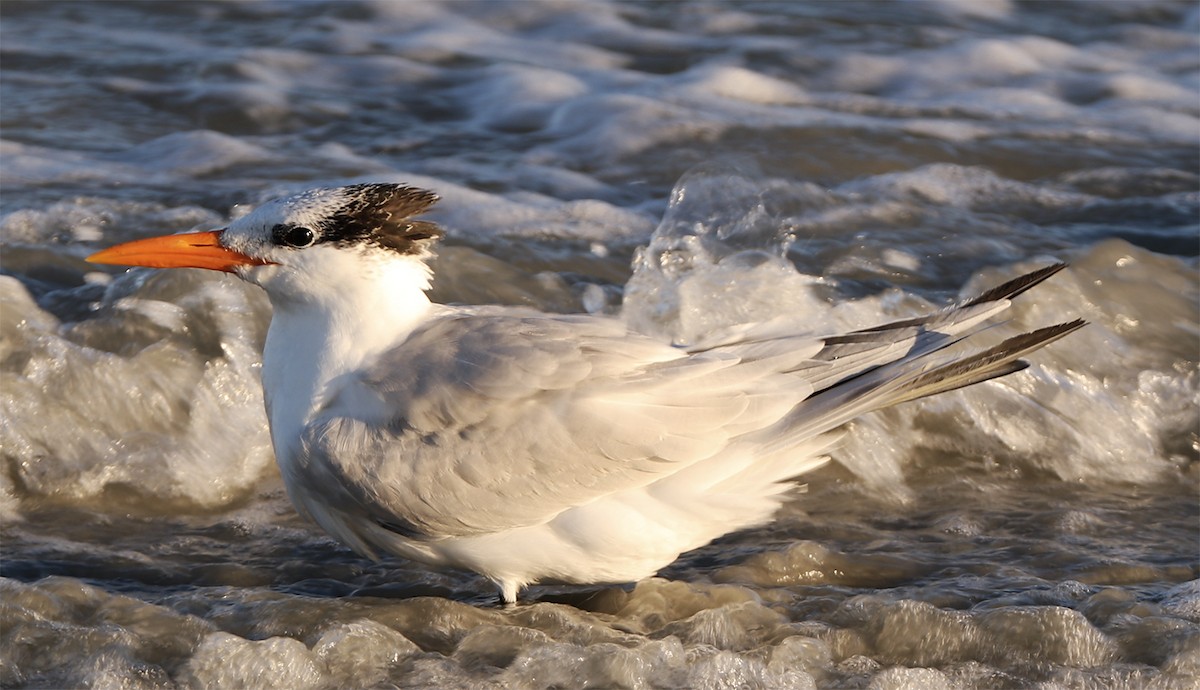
378	214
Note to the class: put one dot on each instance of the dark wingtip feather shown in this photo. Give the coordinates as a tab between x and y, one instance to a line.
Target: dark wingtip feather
994	362
1017	285
1007	290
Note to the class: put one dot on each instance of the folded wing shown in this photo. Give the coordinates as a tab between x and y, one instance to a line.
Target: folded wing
491	420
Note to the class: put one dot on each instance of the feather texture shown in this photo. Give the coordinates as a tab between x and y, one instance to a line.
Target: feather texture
532	447
493	423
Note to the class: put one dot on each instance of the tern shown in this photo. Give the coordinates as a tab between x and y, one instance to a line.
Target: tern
531	447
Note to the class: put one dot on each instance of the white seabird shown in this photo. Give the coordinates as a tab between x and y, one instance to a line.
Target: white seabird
532	447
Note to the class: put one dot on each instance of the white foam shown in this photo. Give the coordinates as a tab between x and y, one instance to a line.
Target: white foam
717	260
194	153
1079	411
898	678
26	164
909	149
227	661
608	127
741	84
1152	121
474	213
175	425
361	652
950	130
1064	414
520	98
972	187
89	219
985	9
458	36
1144	87
1047	634
1183	600
10	502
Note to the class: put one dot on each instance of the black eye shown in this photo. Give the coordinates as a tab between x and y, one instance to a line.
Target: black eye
293	236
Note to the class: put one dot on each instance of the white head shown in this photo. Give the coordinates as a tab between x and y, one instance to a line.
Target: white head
306	247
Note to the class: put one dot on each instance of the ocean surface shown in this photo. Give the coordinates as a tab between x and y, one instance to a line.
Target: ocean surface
684	166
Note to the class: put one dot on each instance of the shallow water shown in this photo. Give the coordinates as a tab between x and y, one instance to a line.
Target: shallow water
685	166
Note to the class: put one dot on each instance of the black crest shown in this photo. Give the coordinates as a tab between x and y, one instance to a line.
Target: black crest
382	214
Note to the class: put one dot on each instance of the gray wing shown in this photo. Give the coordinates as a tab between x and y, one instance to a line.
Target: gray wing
492	421
495	420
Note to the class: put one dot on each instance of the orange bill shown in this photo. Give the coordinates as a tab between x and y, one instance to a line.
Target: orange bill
190	250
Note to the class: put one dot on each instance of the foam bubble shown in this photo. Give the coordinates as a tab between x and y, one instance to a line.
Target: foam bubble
1079	412
227	661
716	260
183	419
898	678
713	262
362	652
1044	634
811	563
72	634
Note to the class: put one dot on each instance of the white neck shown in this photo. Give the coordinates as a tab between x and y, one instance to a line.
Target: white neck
333	328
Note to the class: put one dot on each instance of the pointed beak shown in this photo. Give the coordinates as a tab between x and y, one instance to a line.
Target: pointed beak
189	250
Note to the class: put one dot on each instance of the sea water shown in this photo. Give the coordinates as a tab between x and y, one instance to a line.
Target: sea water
684	166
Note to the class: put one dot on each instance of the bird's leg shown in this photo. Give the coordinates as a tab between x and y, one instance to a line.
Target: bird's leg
508	594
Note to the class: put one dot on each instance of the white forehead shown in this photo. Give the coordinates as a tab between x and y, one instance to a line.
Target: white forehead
308	209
